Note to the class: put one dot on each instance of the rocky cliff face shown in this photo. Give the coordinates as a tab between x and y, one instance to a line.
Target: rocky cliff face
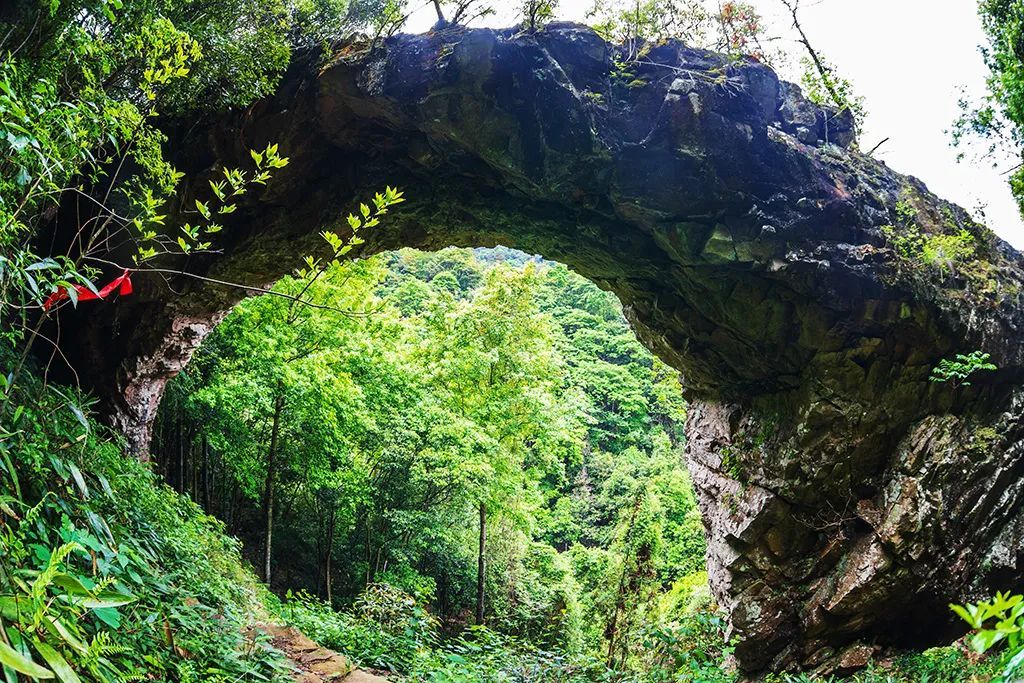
846	498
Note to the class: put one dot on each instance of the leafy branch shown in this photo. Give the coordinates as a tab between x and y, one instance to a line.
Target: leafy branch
955	371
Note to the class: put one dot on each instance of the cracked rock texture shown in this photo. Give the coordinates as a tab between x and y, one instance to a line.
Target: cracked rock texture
846	498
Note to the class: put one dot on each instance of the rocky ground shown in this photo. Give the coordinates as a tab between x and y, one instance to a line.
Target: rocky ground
315	664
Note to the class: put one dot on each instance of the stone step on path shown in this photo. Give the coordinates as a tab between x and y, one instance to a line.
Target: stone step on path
315	664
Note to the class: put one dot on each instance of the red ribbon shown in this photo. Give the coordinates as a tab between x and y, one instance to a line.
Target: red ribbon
123	285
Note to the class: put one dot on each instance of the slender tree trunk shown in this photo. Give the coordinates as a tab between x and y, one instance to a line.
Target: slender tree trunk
193	463
327	555
268	488
236	504
206	475
181	457
480	565
620	597
319	551
369	551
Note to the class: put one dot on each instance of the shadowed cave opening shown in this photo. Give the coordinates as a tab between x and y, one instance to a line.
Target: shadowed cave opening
433	386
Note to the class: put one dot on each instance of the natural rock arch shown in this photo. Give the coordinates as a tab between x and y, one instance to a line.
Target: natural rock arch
846	499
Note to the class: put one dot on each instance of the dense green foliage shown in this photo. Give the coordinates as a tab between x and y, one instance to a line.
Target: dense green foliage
83	85
432	382
435	386
119	576
98	573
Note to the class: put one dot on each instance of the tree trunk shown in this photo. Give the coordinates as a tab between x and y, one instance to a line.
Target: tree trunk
369	551
480	565
268	488
193	465
611	632
327	555
206	475
181	457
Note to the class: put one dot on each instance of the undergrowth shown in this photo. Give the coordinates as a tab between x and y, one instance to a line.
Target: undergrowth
689	650
105	573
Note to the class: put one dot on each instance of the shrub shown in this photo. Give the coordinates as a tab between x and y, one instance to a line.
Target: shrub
957	370
387	630
998	625
105	574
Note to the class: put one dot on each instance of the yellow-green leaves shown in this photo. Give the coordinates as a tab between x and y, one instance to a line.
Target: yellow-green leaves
340	247
333	240
218	189
167	51
265	161
999	621
235	183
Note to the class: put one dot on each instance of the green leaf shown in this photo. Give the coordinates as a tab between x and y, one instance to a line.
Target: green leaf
107	600
65	633
218	190
982	641
71	584
1014	664
203	209
11	607
59	665
964	614
19	662
109	616
79	415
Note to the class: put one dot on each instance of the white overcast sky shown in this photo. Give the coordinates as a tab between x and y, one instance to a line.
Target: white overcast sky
910	59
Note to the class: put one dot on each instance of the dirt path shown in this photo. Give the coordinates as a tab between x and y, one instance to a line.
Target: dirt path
315	664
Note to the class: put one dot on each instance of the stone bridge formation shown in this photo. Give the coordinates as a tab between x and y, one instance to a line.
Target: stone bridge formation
846	498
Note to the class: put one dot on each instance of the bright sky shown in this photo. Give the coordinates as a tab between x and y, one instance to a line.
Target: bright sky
910	59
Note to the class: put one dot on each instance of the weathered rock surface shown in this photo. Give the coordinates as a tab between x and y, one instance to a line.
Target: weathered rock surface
311	662
846	498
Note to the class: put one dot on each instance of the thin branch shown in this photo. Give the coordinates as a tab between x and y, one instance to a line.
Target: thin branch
875	148
236	285
826	79
1011	170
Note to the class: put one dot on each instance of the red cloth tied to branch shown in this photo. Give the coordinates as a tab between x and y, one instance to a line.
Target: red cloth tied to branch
122	283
